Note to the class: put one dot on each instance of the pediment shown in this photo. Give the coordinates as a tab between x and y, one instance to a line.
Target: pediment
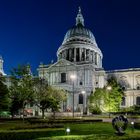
63	63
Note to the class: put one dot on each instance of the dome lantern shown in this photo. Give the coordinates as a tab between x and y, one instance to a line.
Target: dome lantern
79	18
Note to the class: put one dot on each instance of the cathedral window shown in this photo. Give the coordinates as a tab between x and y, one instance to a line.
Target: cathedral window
123	88
81	83
123	101
63	77
138	87
80	98
138	101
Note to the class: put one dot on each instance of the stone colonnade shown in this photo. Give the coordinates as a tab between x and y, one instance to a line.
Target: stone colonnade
80	54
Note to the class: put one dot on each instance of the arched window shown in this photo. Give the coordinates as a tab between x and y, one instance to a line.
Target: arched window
80	98
63	77
123	101
81	83
138	87
123	88
138	101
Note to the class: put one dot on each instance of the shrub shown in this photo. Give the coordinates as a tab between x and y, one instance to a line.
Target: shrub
36	126
95	110
137	126
30	134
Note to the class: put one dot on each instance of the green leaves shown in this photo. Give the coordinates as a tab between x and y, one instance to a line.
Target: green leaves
21	88
4	100
107	101
48	97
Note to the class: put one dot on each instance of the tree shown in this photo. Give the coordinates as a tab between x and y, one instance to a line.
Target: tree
21	88
114	96
96	100
48	97
41	94
107	101
4	100
57	96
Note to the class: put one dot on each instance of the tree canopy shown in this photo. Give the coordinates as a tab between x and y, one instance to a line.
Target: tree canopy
48	97
21	88
4	100
103	100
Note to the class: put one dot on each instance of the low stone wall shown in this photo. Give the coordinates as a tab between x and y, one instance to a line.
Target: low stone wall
64	114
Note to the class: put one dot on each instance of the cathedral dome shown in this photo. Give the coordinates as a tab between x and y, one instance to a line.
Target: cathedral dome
79	45
78	31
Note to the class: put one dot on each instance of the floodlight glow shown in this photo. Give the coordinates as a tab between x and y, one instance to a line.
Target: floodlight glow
73	77
109	88
83	92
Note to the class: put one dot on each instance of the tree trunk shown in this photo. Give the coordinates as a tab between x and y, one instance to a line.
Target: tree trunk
42	113
54	115
12	113
23	114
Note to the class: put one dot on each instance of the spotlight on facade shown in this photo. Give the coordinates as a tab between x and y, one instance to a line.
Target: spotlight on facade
83	91
73	77
67	131
109	88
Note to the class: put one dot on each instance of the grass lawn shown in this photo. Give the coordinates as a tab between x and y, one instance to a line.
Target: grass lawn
88	131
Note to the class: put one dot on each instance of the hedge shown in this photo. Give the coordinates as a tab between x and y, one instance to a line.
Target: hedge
30	134
64	121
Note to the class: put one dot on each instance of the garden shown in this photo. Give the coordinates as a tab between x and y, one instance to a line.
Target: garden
79	129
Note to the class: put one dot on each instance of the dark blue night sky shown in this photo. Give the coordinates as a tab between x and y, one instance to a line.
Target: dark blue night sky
32	30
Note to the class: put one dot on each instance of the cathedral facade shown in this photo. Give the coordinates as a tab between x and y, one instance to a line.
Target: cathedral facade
79	70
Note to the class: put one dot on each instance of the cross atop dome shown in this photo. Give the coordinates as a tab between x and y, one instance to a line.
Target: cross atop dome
79	18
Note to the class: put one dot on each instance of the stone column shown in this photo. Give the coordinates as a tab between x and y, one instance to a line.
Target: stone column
80	54
96	58
100	61
74	54
69	54
85	54
90	55
93	57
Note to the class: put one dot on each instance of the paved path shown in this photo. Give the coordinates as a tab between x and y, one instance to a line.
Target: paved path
129	119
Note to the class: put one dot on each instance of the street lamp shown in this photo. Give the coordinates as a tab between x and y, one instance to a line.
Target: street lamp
109	88
73	77
83	92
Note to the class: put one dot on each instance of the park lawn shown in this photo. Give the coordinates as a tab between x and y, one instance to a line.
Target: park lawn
96	131
134	136
86	131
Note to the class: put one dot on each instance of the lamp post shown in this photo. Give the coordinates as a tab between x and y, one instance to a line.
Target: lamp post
83	92
109	88
73	77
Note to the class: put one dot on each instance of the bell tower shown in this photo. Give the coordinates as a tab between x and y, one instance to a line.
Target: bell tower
1	66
